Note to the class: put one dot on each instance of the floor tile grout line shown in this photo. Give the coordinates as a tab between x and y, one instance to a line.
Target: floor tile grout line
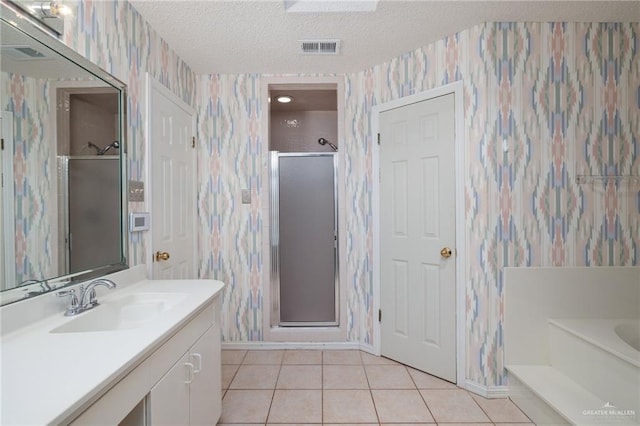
490	418
273	395
322	387
421	396
363	365
373	401
482	409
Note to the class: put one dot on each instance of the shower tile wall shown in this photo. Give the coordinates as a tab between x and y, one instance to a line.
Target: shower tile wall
299	131
564	96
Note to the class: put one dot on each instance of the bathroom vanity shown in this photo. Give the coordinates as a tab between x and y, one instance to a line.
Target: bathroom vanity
149	354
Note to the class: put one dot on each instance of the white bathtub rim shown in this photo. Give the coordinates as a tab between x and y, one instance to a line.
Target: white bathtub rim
601	333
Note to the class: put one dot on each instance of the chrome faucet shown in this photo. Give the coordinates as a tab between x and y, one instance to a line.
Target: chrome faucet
90	292
81	304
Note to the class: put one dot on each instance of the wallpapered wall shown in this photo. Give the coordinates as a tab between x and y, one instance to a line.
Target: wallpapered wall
564	96
114	35
35	176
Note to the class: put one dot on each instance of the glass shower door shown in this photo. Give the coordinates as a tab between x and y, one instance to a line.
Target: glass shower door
304	238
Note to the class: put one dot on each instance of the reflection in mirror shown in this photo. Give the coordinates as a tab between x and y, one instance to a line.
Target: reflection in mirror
50	13
62	200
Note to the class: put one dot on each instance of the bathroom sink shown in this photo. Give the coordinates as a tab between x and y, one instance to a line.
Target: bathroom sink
122	313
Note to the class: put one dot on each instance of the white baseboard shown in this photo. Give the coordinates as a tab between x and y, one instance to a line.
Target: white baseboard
368	349
487	391
292	345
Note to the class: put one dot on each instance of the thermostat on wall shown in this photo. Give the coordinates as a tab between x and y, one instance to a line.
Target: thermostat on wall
138	222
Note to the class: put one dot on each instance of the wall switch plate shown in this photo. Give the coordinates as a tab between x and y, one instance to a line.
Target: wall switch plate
136	190
246	196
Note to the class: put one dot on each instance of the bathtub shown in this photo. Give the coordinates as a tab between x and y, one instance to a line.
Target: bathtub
615	336
600	355
629	332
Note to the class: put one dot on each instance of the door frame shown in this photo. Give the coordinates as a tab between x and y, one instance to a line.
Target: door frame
151	85
271	333
7	197
455	88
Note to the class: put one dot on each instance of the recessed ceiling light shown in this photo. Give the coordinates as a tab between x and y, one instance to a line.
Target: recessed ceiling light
284	99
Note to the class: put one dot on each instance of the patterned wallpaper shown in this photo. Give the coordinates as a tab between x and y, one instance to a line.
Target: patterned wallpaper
35	176
114	35
566	99
564	96
232	154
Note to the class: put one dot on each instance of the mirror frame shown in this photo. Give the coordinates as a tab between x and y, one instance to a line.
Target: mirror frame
27	24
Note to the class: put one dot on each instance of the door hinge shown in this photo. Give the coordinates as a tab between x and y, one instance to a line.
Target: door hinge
193	142
2	144
378	138
379	315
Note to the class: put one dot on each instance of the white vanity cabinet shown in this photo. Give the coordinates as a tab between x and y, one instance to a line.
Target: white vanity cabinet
179	382
189	394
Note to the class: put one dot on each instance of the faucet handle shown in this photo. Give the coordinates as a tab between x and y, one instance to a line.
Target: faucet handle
74	307
93	302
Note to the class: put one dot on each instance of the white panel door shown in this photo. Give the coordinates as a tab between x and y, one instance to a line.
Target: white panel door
173	188
417	219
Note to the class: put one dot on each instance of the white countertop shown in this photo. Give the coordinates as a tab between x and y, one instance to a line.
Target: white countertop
47	377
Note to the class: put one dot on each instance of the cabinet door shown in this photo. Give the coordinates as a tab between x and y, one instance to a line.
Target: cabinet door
169	398
206	399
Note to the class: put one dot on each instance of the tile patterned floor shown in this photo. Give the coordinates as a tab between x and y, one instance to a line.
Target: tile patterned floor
346	387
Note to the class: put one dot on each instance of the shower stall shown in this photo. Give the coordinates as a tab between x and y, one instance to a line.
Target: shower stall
89	224
304	239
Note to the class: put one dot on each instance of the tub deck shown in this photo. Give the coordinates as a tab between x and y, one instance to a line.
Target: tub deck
601	333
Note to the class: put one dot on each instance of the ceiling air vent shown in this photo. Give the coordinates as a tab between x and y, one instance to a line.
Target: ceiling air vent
320	47
22	52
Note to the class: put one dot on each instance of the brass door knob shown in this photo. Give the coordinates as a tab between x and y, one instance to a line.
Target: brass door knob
162	255
446	252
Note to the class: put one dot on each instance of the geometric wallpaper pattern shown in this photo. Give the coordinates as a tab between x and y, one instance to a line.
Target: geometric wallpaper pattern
34	176
113	35
564	98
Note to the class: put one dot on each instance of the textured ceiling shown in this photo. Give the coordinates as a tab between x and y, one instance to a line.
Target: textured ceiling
242	36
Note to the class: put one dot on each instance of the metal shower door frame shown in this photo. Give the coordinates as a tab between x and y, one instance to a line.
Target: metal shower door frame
274	239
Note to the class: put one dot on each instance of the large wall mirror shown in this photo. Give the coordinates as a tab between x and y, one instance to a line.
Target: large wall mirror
63	206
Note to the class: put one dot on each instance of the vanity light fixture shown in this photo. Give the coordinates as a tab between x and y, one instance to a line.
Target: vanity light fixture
284	99
53	9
